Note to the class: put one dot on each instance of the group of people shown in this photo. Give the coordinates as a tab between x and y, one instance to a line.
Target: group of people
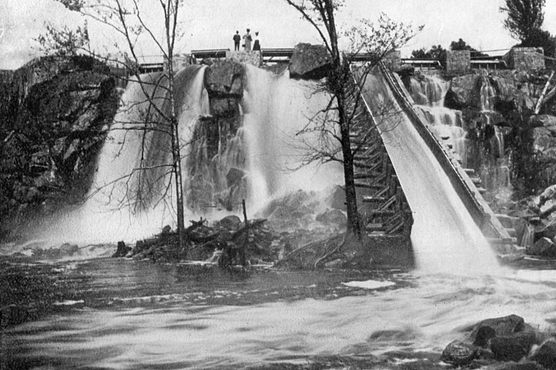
248	38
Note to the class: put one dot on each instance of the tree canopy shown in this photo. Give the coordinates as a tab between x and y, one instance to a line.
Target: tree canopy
523	17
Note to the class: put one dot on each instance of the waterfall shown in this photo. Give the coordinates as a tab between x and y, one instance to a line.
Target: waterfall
444	236
275	109
258	157
446	124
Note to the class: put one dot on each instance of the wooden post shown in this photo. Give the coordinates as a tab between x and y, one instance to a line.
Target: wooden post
243	252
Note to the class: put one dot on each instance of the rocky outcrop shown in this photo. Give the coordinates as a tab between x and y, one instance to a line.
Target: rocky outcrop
225	78
56	114
216	164
503	339
309	62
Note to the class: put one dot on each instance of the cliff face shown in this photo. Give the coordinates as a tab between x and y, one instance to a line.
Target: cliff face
55	113
498	108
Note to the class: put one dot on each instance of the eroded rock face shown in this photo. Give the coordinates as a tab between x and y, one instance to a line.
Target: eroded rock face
55	117
309	62
462	92
225	78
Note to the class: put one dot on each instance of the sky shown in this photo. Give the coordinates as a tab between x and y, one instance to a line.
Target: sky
210	24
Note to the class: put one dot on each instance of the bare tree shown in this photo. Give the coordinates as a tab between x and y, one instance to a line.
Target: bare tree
336	121
159	110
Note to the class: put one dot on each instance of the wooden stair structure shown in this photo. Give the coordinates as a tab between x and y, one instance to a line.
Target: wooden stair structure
381	202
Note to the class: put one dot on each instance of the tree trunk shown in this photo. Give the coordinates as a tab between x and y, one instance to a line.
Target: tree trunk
354	222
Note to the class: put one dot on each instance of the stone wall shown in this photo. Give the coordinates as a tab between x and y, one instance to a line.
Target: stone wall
247	57
525	59
458	61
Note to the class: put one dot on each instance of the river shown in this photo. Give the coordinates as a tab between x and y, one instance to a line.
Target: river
105	313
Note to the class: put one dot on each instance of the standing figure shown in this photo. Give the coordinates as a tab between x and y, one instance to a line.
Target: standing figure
257	44
247	37
237	39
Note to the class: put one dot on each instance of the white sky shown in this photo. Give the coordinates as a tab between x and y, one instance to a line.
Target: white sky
210	24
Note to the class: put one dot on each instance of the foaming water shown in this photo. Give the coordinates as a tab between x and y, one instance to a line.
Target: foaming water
444	236
275	109
132	192
224	322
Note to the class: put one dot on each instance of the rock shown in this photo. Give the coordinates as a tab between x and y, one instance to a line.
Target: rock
53	116
332	217
459	353
225	78
122	250
548	207
68	249
309	62
514	347
462	92
542	247
338	199
230	222
502	326
524	365
484	333
546	228
225	107
543	120
546	355
548	193
543	138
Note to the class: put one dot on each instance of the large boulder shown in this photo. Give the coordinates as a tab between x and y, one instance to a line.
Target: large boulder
546	355
514	347
225	78
309	61
459	353
543	247
462	92
502	326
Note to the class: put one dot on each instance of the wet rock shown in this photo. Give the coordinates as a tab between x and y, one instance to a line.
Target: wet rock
332	217
69	249
548	207
502	326
122	250
230	222
55	113
224	107
546	355
484	333
459	353
542	247
462	93
524	365
224	78
338	199
309	62
514	347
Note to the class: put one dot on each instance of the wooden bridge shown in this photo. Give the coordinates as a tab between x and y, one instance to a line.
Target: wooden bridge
283	55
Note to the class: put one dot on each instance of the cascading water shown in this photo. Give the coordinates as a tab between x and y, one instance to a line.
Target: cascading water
429	92
445	238
133	196
494	169
275	109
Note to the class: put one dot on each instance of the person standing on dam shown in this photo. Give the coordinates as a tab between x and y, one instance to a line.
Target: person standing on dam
247	37
257	43
237	39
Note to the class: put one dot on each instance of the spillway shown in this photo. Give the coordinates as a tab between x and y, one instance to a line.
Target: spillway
445	237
